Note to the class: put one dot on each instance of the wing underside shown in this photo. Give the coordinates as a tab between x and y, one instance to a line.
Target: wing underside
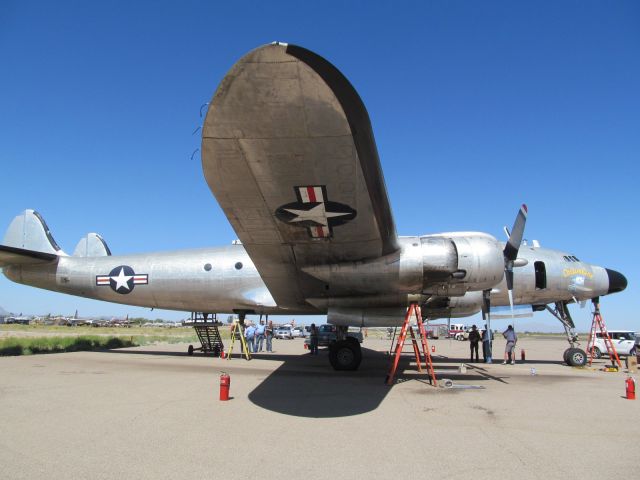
289	154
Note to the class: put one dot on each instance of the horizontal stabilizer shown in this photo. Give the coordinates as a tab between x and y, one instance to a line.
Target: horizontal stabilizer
92	245
20	256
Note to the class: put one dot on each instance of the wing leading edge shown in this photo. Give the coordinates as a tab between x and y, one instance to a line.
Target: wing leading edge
289	153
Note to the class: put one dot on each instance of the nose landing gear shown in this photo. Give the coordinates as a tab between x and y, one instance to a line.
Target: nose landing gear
573	356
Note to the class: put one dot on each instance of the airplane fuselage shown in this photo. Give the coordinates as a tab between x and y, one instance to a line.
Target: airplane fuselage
224	279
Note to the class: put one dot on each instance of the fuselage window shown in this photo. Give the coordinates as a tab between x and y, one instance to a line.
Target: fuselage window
541	275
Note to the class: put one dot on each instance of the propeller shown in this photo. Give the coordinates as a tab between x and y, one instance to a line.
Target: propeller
511	249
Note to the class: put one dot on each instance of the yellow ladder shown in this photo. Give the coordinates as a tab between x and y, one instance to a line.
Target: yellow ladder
237	327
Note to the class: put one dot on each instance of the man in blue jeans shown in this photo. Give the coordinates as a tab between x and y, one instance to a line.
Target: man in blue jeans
259	336
268	333
249	335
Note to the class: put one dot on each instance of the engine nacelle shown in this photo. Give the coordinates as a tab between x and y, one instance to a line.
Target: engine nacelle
366	317
454	263
446	264
453	307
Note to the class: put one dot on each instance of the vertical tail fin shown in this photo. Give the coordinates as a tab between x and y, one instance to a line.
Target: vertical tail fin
92	245
28	231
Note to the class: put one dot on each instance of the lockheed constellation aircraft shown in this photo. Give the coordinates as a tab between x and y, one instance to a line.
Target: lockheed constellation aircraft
289	153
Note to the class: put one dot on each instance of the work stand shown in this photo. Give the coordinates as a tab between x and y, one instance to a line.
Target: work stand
206	328
396	353
598	326
237	332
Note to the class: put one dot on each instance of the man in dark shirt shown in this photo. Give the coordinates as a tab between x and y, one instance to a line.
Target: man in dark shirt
474	340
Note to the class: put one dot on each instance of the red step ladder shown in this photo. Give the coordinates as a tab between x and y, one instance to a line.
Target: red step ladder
413	310
598	325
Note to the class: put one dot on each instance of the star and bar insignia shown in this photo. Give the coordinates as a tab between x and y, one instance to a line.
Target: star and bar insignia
122	279
315	212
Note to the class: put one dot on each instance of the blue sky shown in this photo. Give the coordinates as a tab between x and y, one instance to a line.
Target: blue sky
476	107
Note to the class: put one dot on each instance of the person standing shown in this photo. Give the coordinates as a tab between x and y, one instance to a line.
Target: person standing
268	333
260	329
474	340
249	335
313	339
487	337
510	349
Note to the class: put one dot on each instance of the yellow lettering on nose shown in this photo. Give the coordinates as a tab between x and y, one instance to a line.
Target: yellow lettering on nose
570	272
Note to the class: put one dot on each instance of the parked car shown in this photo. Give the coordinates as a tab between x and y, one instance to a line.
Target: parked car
284	332
624	342
462	336
299	332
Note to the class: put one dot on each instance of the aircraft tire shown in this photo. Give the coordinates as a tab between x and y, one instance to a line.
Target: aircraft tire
190	350
576	357
565	356
345	355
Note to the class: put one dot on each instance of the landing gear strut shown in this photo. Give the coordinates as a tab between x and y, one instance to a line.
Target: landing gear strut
573	356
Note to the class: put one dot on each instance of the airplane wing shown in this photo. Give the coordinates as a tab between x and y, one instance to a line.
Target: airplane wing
288	151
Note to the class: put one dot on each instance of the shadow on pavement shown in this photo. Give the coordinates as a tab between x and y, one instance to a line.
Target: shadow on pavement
307	386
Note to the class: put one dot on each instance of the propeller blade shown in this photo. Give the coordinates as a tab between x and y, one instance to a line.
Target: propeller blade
517	232
511	250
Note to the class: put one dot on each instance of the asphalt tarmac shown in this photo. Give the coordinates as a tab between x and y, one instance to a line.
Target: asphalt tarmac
154	412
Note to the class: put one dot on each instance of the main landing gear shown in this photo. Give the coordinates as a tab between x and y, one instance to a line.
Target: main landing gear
345	353
573	356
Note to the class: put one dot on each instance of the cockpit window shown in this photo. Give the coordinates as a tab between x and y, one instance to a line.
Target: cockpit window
575	258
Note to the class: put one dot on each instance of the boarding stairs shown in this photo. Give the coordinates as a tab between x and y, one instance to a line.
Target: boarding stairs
206	329
396	353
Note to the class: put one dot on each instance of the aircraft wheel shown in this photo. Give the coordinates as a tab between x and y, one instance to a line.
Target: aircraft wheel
576	357
597	353
345	355
565	356
190	350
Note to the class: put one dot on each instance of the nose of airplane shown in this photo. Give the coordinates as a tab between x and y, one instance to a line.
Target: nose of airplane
617	281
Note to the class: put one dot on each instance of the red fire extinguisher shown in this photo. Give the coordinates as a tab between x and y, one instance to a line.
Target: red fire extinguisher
433	349
522	354
225	383
631	388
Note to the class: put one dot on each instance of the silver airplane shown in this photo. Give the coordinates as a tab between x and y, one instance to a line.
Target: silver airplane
288	151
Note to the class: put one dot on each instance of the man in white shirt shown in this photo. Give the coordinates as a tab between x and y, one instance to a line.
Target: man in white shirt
510	349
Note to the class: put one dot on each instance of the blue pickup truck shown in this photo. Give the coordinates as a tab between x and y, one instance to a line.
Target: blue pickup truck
327	334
